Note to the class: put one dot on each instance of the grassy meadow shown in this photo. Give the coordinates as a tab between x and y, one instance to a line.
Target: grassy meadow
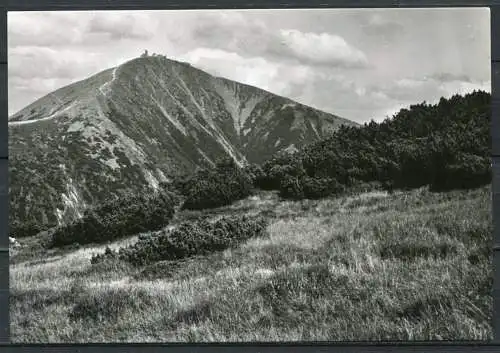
408	265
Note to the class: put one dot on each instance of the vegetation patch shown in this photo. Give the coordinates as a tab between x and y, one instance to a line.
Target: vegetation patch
215	187
126	216
308	280
18	229
444	146
190	239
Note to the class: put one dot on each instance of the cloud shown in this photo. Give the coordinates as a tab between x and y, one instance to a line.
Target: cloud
36	71
378	26
463	87
431	88
44	62
230	31
277	77
449	77
118	26
324	49
60	29
408	83
43	29
335	92
37	85
53	48
406	92
251	37
324	88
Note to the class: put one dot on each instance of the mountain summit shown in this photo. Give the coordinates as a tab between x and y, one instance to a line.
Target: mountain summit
133	126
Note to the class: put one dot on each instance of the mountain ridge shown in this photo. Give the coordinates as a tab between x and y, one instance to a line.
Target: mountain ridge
134	126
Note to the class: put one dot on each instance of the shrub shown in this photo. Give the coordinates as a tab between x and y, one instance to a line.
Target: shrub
255	173
126	216
305	187
220	186
108	255
175	193
25	229
291	188
469	171
276	170
190	239
316	188
445	146
178	185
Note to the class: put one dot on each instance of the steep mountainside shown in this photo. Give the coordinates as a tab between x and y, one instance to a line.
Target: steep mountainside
133	126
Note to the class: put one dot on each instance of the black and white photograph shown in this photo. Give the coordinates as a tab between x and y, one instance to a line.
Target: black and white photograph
295	175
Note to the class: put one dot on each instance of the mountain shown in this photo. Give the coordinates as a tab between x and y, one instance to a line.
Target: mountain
131	127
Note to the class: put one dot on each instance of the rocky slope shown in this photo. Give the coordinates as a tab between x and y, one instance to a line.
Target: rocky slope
131	127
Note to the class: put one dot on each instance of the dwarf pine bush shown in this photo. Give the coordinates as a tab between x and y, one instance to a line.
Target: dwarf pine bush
126	216
444	146
189	239
216	187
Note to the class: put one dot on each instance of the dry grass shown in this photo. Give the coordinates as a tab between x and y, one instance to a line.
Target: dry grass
407	266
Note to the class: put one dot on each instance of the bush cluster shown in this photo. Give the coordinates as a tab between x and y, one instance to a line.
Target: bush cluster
178	185
216	187
19	229
445	146
190	239
108	256
282	166
126	216
316	188
306	187
255	172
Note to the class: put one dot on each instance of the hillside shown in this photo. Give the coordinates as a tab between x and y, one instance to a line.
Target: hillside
373	266
387	237
445	146
129	128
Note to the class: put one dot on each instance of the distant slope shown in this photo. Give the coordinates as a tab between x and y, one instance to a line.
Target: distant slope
131	127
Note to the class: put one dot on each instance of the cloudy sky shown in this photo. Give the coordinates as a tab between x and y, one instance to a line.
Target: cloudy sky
359	64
